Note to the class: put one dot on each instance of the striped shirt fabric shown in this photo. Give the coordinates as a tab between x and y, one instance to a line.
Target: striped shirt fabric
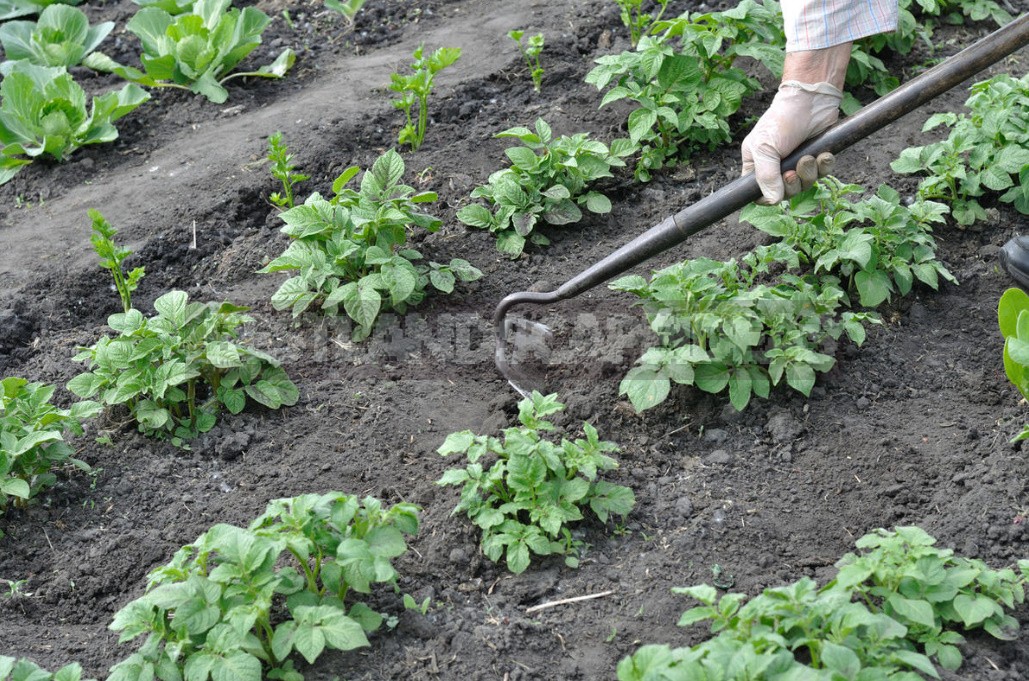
817	24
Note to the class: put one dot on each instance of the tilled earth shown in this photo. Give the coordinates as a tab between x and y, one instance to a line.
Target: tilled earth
911	428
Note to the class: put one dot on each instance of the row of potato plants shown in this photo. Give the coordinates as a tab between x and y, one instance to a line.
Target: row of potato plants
237	602
895	610
684	86
746	325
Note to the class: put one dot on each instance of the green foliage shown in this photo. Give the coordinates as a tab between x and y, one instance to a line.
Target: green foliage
176	370
890	613
196	50
112	258
32	444
415	89
1013	319
173	7
548	179
636	20
12	9
350	250
24	670
237	602
876	245
531	54
986	150
43	112
348	9
525	501
282	170
61	36
746	325
682	81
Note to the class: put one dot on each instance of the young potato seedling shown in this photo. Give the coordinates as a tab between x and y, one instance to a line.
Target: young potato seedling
12	669
986	151
549	179
351	251
176	370
415	89
530	51
237	602
32	439
525	501
282	170
894	611
112	258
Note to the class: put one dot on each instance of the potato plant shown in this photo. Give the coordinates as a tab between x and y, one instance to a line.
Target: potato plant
895	610
636	20
986	151
282	169
177	370
350	251
32	439
112	258
549	179
682	82
43	113
236	603
530	52
414	90
534	489
61	36
12	669
196	50
738	325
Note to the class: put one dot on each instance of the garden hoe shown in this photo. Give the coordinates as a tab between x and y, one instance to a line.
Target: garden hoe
518	339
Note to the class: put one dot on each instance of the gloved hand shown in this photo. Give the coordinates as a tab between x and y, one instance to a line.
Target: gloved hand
799	112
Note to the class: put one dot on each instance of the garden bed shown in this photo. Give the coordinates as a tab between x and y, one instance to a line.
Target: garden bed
911	428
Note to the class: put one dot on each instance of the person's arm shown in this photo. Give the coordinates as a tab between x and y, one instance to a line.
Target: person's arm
819	35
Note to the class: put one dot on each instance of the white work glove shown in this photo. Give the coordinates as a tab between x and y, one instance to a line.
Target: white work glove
799	112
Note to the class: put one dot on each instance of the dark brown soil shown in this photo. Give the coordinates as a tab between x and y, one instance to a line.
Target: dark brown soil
911	428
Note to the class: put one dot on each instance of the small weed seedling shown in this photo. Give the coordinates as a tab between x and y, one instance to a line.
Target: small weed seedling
61	36
112	257
237	602
350	251
196	51
282	170
43	113
527	498
32	439
549	179
1013	319
347	8
414	91
530	50
176	370
891	613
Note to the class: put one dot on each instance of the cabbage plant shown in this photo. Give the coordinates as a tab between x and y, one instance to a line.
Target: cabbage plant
43	112
61	37
12	9
195	51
